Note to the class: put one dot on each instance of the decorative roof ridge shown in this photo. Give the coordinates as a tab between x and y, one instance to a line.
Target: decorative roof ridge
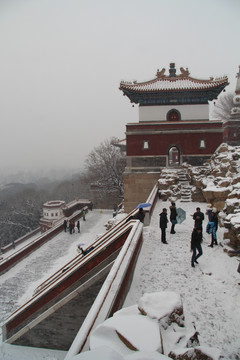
211	80
184	75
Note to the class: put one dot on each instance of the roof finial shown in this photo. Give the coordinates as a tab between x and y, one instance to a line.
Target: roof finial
172	70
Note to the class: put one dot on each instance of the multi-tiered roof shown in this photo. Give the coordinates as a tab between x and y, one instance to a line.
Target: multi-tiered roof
173	89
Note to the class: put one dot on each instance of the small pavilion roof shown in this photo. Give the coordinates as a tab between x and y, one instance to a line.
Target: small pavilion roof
173	83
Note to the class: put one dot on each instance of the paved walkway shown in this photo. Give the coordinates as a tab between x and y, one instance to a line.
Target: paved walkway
210	291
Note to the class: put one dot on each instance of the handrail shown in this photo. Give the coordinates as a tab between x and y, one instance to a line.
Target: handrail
25	249
77	258
19	241
64	275
104	302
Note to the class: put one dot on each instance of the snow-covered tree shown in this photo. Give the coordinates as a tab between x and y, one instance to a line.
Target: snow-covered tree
221	108
105	166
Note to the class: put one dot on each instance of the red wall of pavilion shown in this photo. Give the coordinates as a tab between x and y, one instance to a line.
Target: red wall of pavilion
188	143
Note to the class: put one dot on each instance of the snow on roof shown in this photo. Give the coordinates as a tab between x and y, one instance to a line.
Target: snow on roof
174	83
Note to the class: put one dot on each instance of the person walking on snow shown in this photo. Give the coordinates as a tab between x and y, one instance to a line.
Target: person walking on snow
173	217
196	241
163	225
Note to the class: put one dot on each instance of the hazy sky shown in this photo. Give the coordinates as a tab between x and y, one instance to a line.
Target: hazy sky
62	61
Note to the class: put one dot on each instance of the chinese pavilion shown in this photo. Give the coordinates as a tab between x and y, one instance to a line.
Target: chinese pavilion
174	125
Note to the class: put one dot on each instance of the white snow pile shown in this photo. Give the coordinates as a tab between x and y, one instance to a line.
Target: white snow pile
221	178
169	184
220	186
153	329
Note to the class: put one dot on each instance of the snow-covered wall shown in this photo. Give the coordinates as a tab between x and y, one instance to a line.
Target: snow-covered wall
159	113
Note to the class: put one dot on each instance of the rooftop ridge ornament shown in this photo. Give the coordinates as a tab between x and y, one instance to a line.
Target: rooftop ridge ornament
184	73
181	88
172	70
160	74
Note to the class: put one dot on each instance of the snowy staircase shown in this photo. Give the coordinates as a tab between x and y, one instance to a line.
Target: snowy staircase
185	186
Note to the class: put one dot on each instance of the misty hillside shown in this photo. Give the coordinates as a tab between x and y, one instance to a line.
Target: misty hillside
21	203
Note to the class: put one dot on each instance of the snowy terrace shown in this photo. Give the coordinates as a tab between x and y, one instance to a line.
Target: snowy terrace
210	292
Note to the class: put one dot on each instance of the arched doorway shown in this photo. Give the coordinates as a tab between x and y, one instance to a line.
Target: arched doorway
174	156
173	115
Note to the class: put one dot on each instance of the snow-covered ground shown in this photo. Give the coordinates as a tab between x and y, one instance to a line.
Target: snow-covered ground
210	292
18	284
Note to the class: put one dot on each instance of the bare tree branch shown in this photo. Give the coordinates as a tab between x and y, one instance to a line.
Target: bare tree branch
105	167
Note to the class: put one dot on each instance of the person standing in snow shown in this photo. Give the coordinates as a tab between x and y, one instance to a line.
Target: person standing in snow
84	215
70	227
173	217
163	225
196	241
78	226
198	216
65	225
212	226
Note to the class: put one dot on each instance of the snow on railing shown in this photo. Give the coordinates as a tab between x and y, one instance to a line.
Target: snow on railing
32	245
68	266
22	312
106	298
99	245
152	198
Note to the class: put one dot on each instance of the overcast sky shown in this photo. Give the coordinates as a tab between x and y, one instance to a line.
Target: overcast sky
62	61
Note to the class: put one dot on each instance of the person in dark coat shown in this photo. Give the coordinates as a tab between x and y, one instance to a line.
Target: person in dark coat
78	226
163	225
85	252
140	215
196	241
70	227
173	217
198	216
65	225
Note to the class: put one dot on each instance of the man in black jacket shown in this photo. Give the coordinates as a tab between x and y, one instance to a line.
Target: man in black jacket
163	225
173	217
196	241
198	216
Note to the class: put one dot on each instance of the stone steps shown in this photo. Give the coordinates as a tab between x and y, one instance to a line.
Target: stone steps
185	187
